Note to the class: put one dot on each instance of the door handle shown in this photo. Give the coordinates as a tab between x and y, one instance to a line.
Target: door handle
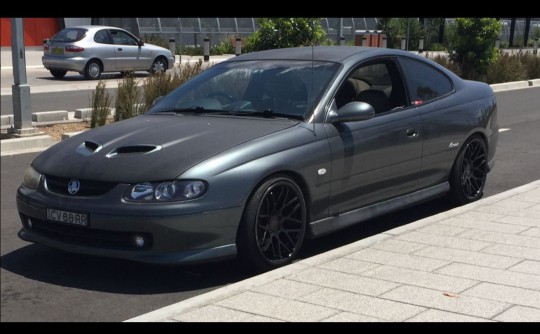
411	132
119	49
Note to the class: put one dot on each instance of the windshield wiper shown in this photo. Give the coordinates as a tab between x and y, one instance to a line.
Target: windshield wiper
192	110
267	113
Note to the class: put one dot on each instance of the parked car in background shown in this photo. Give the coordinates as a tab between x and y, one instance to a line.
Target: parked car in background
261	151
92	50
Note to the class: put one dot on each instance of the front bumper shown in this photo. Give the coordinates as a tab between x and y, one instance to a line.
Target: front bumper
76	64
170	238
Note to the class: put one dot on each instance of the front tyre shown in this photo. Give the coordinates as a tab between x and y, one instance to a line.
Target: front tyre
273	225
468	176
158	66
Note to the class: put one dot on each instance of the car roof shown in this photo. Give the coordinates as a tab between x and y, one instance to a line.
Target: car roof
319	53
90	27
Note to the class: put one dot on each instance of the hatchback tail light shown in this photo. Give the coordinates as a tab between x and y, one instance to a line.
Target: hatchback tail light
74	48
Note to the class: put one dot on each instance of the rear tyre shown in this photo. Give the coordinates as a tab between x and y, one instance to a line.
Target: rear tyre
273	225
468	176
58	74
92	71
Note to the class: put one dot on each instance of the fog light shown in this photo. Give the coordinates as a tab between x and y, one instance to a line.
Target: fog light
139	241
29	223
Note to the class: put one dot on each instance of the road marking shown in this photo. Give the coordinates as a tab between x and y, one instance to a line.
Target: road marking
504	130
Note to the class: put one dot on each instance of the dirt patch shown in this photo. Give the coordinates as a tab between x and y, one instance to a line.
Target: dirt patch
56	130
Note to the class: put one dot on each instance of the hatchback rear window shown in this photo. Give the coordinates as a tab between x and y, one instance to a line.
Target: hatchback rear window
69	35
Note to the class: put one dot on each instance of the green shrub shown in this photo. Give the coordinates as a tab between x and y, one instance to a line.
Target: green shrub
101	105
531	64
161	84
396	28
473	45
275	33
437	47
506	68
156	40
128	99
448	63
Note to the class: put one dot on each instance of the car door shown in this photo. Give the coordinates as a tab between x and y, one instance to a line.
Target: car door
378	158
105	49
443	120
128	51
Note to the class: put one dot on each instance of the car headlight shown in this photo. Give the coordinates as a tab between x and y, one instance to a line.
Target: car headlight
31	178
166	191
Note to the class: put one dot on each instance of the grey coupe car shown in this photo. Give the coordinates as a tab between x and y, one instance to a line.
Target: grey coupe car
92	50
261	151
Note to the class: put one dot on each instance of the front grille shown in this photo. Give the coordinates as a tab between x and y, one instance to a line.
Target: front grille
85	236
59	185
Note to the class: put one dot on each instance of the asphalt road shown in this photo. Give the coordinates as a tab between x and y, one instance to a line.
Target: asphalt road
42	284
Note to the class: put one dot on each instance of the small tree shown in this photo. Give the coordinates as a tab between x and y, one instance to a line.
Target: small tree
396	28
278	33
101	105
128	99
473	45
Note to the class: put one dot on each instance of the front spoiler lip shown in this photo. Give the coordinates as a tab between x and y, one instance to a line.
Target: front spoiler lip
183	257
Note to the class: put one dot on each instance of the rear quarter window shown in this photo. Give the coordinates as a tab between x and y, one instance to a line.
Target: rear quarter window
424	82
69	35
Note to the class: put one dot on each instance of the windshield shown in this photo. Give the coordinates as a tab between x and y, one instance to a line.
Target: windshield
69	35
284	88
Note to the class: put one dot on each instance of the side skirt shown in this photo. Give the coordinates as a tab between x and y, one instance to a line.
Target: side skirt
331	224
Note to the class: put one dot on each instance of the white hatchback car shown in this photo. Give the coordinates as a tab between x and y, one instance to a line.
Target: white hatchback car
92	50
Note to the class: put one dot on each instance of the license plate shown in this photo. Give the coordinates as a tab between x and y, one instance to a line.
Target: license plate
67	217
58	51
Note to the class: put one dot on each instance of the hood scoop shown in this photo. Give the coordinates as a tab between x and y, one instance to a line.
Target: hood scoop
88	147
133	150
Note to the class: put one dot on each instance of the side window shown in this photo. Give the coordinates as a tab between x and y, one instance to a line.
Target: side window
122	38
377	83
425	82
102	37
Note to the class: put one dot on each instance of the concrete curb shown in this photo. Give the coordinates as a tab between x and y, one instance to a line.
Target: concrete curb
165	313
514	85
25	145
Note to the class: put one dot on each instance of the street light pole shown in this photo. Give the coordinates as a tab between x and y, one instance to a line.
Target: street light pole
22	113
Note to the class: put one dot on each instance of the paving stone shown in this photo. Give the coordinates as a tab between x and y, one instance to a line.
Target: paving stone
506	294
349	266
532	232
444	241
528	267
502	238
472	214
535	222
276	307
399	246
484	225
342	281
212	313
463	256
397	260
442	230
351	317
366	305
519	314
515	251
462	304
432	315
497	276
421	278
286	288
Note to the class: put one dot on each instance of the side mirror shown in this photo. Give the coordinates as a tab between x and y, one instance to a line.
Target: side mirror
140	43
352	112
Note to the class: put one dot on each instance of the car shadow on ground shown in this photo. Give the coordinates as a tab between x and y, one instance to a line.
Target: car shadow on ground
71	76
52	266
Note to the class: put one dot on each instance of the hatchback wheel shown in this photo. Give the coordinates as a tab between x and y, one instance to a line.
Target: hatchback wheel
158	66
58	74
273	225
92	70
469	172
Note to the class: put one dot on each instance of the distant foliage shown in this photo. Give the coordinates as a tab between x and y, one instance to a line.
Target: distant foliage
448	63
162	84
275	33
396	29
473	45
101	105
513	67
128	99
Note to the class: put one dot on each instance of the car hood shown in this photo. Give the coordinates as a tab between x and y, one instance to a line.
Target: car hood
151	147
